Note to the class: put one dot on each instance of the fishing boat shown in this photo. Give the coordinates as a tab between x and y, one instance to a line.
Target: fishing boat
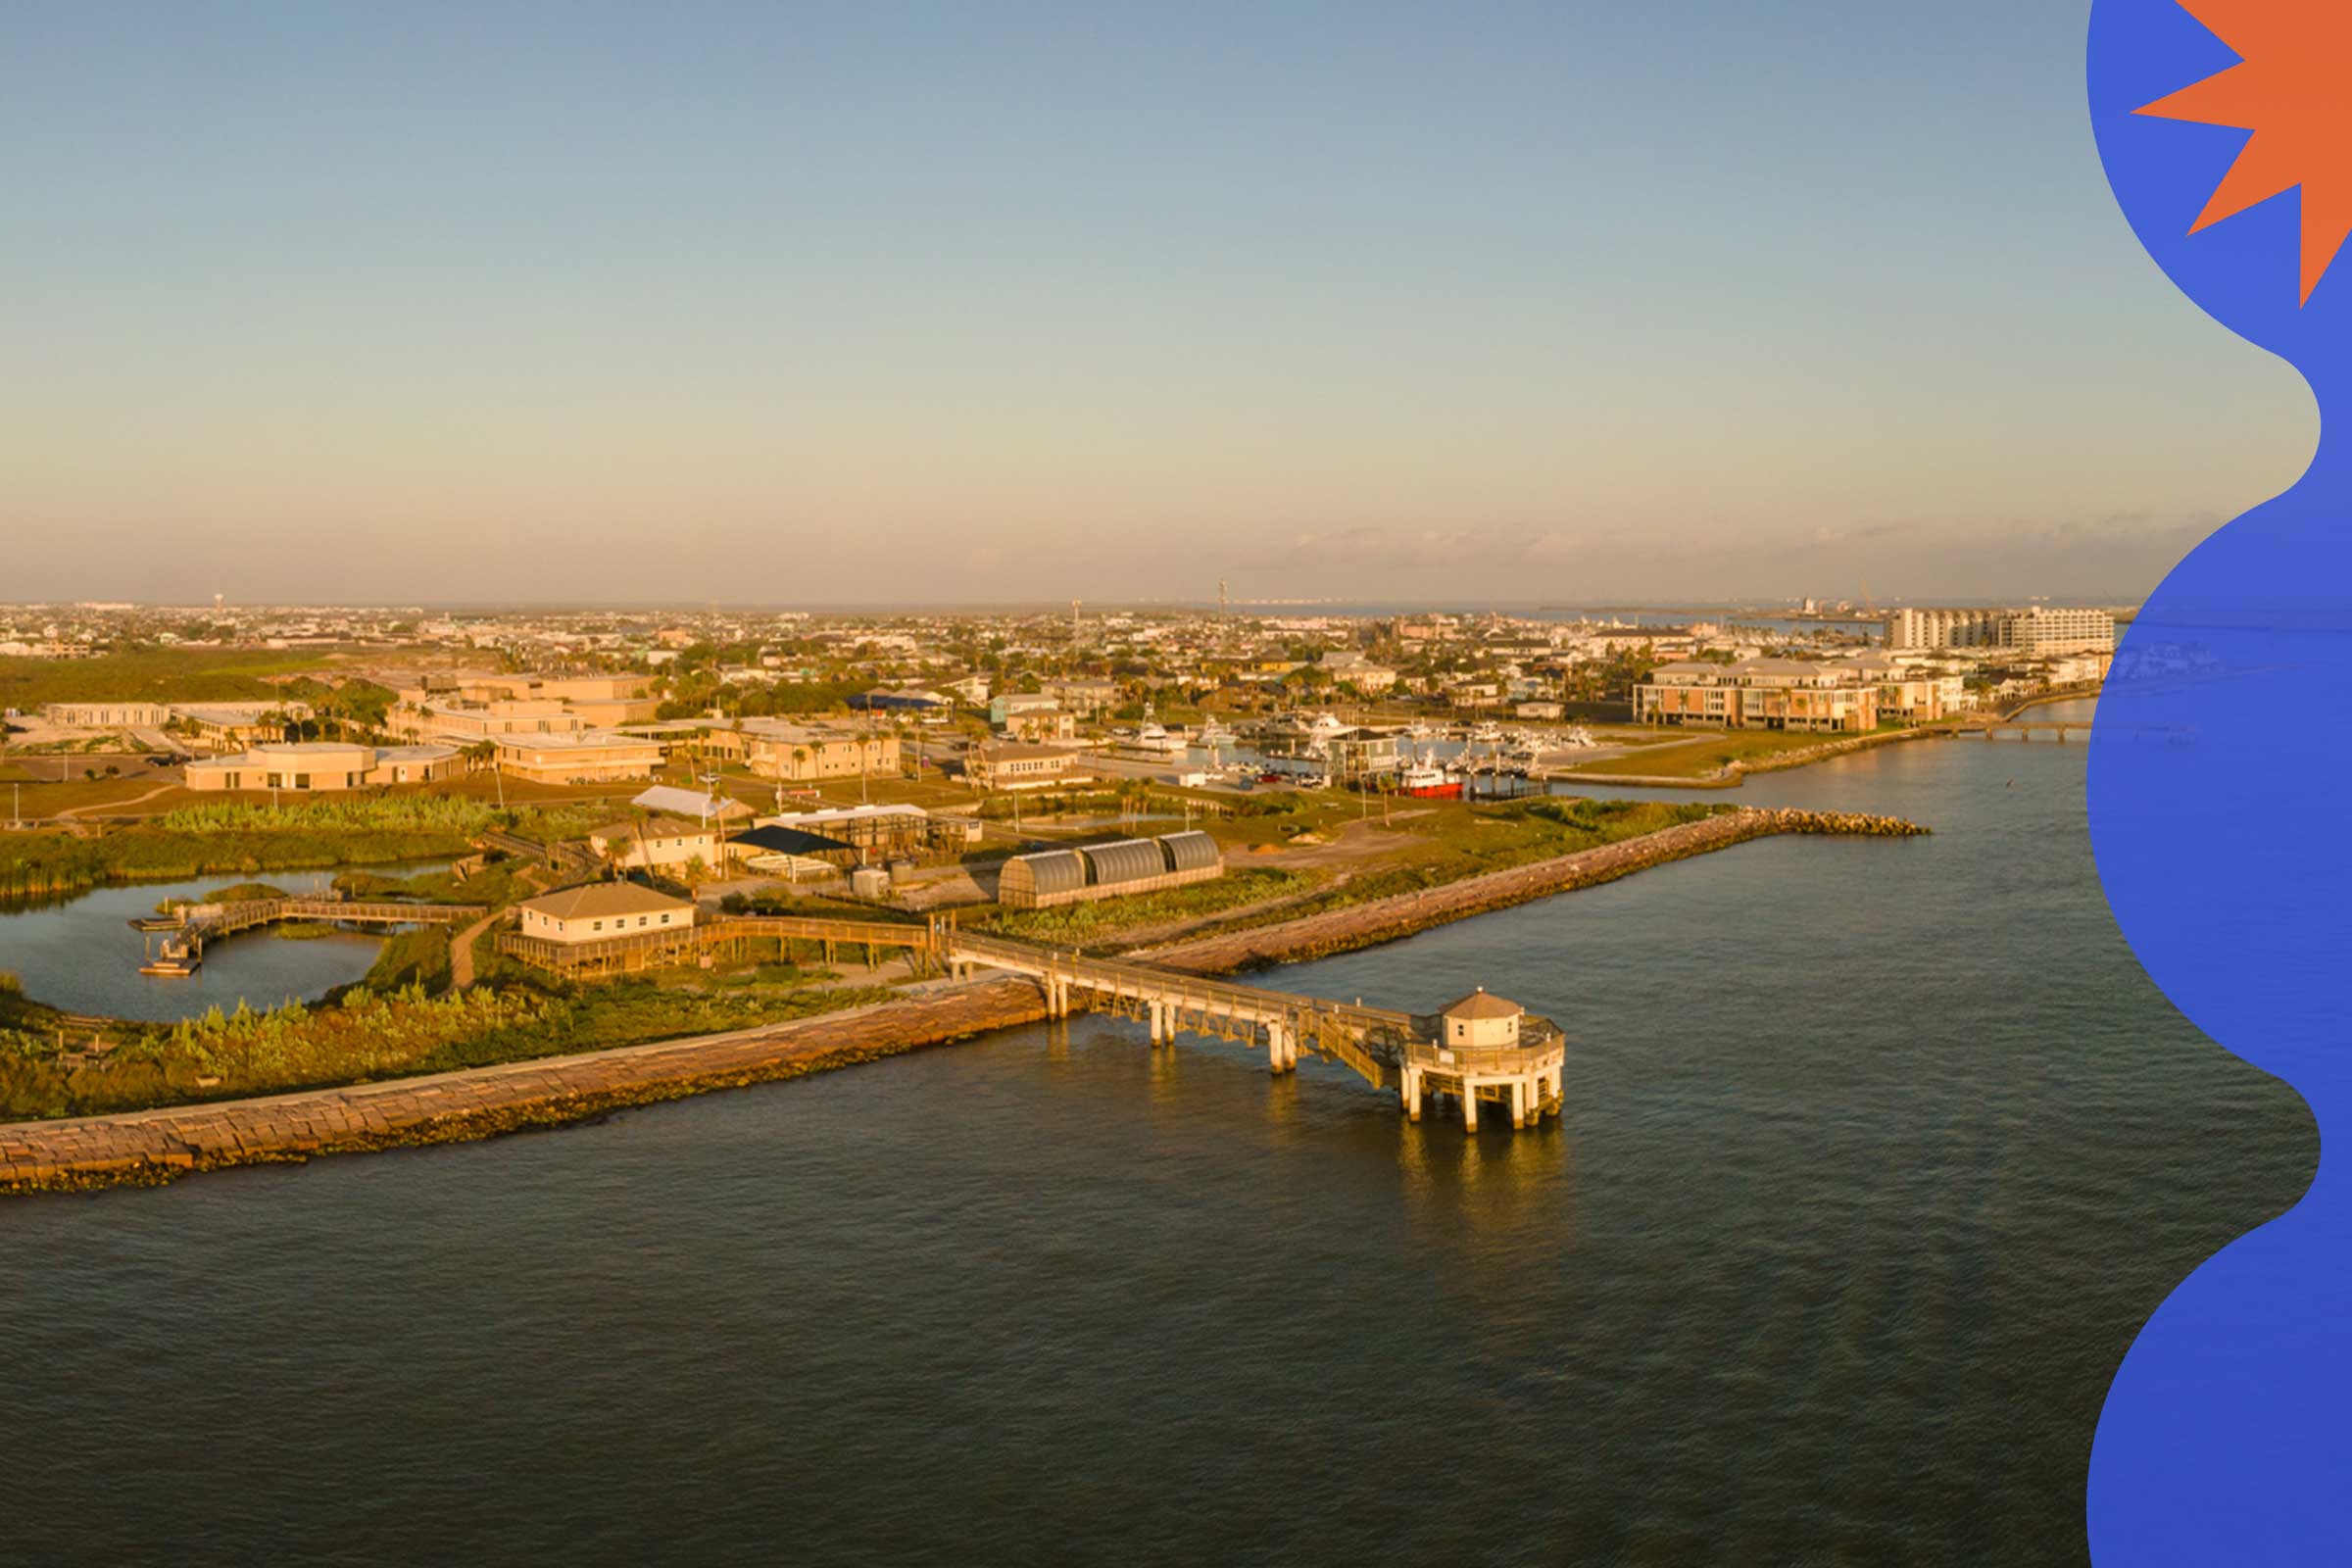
1426	781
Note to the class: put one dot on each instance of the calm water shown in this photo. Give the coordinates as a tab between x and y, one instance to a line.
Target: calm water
84	956
1876	1156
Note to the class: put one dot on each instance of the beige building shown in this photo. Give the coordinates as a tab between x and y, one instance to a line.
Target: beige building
1014	766
797	753
239	723
325	765
602	910
663	842
467	724
107	716
595	757
1759	693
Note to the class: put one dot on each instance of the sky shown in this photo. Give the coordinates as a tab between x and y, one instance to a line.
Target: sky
795	304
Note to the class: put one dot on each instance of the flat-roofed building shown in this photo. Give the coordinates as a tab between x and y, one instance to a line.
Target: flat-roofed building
796	753
595	758
470	722
602	910
2050	630
107	716
317	767
238	723
1787	694
1016	766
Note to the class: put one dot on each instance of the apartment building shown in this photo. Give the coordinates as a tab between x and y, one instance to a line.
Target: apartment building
2042	629
1759	693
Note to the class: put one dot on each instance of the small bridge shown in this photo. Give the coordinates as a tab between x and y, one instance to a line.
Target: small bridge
199	923
2025	729
568	855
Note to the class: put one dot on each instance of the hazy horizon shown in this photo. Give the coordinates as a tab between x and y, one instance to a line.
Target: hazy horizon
1514	304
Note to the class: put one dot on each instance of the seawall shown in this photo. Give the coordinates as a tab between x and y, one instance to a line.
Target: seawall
151	1146
477	1103
1381	920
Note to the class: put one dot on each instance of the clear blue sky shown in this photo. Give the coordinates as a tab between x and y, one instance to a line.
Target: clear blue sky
804	304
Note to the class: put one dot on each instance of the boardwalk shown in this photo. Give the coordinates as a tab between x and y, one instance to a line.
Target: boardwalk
198	925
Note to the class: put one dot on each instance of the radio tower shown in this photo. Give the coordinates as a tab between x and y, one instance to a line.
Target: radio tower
1223	609
1073	622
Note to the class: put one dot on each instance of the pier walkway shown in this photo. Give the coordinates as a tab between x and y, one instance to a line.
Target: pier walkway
186	933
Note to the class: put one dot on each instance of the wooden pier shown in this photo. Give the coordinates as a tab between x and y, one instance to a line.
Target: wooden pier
184	939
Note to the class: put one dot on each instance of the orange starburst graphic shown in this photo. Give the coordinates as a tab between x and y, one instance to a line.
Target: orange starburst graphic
2292	88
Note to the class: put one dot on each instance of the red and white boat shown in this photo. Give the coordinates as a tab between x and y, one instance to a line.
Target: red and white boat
1426	782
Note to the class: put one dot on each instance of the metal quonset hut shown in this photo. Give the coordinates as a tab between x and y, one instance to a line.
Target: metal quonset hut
1041	881
1053	877
1193	852
1128	863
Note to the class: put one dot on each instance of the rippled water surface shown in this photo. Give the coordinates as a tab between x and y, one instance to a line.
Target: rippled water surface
79	952
1876	1154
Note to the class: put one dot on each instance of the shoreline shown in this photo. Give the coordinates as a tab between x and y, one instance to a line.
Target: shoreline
159	1144
1735	774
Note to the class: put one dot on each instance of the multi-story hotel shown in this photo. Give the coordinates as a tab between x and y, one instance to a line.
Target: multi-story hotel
2042	629
1759	693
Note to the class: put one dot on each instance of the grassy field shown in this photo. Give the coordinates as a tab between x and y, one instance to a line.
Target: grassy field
236	837
368	1034
1708	754
152	676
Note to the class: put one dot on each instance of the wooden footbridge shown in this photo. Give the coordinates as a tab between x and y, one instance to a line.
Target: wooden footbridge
192	925
724	934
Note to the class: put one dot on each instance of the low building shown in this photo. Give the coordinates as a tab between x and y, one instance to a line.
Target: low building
602	910
1017	765
881	832
597	757
239	723
793	851
1054	877
107	716
670	800
323	765
796	753
662	843
1539	711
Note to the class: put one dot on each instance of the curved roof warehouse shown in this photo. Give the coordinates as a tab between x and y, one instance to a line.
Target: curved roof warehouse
1051	877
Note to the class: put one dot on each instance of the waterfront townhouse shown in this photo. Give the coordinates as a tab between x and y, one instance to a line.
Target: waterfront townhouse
1787	694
